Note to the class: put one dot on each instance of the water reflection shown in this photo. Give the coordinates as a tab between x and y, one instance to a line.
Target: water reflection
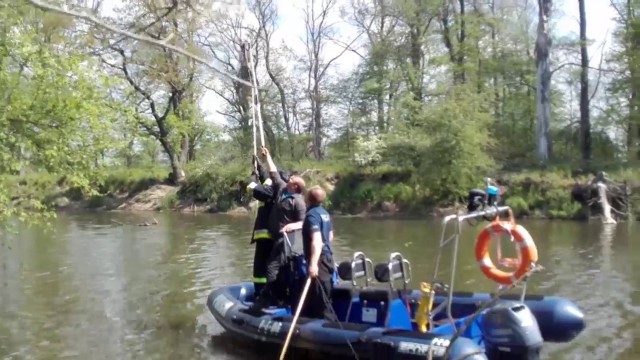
99	286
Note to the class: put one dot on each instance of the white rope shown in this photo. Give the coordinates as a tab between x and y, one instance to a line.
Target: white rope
255	146
246	54
253	120
255	101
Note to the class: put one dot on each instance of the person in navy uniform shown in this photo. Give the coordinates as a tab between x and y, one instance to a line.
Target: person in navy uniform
317	235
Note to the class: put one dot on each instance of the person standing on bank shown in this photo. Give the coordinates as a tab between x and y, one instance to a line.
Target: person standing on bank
287	215
317	235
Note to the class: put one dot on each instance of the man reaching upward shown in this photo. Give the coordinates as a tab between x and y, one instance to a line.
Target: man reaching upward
286	215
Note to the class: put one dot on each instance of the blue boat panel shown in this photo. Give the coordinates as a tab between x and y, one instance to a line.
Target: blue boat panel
374	336
375	306
331	333
473	331
355	315
399	317
342	301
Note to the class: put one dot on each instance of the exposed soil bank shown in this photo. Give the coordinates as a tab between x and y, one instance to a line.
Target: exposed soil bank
532	195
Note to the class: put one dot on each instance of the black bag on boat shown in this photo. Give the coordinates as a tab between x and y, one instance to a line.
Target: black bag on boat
296	279
293	275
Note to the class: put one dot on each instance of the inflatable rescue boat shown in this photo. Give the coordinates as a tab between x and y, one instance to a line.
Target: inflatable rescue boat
387	321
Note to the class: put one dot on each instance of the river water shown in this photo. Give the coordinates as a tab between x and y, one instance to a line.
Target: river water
97	286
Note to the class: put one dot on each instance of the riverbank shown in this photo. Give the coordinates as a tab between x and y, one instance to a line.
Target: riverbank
373	193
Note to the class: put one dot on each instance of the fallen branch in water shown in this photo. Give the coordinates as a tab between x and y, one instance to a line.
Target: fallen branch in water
155	222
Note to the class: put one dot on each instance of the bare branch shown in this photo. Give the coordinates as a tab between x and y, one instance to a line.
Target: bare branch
344	50
595	89
620	13
348	47
561	66
146	39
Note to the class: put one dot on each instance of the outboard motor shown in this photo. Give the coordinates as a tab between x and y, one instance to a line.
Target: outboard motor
476	200
511	332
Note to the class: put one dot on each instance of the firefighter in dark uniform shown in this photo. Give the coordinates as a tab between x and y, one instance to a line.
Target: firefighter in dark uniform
261	190
286	216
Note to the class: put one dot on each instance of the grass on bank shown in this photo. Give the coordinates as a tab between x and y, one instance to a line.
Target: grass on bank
536	193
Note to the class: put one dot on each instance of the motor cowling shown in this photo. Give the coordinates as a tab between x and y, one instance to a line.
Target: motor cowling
511	331
476	200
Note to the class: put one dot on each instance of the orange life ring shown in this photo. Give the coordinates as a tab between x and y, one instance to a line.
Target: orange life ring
527	251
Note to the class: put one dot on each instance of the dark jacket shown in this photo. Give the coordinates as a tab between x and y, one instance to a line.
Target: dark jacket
263	192
288	208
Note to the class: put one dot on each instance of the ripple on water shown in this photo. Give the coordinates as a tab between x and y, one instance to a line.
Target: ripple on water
99	291
604	295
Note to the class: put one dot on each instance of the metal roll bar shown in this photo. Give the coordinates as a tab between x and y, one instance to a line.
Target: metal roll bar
455	238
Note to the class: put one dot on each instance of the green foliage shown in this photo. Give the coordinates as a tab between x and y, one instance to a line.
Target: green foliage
96	201
518	205
356	191
542	193
220	186
367	151
129	180
170	201
448	143
55	113
422	126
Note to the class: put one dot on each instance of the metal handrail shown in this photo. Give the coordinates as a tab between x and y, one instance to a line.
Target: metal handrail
367	267
455	237
405	268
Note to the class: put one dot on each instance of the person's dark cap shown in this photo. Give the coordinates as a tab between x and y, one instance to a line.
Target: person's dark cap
285	175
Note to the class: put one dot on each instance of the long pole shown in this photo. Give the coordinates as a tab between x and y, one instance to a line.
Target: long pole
256	99
295	318
253	107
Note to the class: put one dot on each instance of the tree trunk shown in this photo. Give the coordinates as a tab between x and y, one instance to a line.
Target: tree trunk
416	61
317	122
456	51
585	121
245	101
494	54
632	46
129	155
191	156
177	175
184	154
543	83
283	99
380	110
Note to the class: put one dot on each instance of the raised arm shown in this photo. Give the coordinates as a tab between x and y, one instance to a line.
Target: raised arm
263	193
263	174
278	183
